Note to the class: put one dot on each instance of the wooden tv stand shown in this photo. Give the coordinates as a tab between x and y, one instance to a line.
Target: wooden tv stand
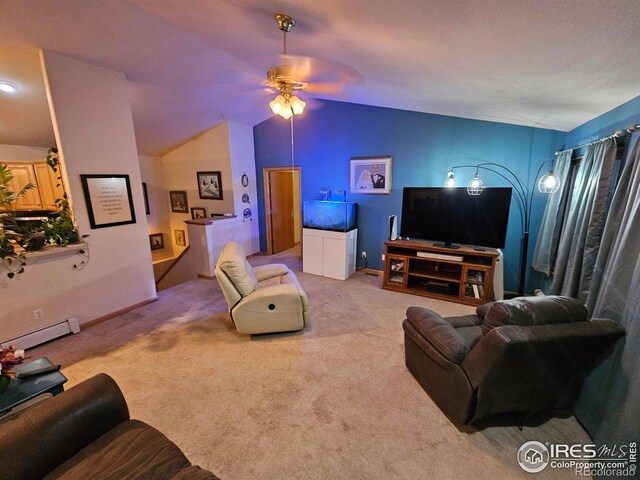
462	275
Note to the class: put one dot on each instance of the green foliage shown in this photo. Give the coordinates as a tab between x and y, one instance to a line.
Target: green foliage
7	196
53	159
58	230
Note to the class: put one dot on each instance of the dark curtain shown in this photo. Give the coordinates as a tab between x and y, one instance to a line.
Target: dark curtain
609	404
544	254
584	221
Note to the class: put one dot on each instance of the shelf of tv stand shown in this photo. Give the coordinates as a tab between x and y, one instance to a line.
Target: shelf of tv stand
468	280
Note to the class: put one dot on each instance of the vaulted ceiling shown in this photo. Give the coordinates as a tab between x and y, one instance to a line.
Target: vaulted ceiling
194	63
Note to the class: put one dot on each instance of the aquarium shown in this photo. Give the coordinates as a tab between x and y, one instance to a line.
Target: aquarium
327	215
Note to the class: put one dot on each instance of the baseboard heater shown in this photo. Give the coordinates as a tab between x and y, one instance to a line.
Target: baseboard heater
28	340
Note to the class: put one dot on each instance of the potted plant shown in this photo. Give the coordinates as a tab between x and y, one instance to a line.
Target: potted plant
16	239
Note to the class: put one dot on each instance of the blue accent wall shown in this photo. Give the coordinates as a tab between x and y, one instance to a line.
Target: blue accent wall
620	117
423	147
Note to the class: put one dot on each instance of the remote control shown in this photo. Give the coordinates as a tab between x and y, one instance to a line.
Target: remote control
38	371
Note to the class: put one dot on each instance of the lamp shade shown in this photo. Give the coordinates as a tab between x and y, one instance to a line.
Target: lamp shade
549	182
277	104
450	181
297	105
286	112
475	186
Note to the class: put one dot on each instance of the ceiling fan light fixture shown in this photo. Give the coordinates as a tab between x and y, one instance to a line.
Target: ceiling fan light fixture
297	105
278	104
286	113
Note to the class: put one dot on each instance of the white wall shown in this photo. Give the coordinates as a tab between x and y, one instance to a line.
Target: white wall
243	161
158	220
18	153
94	133
228	148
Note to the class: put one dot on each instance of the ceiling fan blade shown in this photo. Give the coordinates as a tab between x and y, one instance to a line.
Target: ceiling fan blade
325	88
311	69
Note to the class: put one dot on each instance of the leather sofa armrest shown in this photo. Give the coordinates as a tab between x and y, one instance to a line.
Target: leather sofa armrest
264	272
50	433
439	333
589	338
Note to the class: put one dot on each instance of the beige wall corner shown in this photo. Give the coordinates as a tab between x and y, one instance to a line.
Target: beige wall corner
94	133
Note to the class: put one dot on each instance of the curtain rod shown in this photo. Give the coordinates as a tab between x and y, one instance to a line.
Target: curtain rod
616	134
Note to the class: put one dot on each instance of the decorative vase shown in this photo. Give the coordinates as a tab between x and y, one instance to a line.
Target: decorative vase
4	382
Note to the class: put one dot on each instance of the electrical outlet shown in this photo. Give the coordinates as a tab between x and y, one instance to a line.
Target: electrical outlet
383	257
38	314
363	254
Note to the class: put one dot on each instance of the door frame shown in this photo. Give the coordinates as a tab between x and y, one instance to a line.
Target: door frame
267	200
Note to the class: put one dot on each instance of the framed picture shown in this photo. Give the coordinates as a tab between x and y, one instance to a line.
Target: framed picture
198	212
146	199
109	200
370	175
179	202
157	241
210	185
180	237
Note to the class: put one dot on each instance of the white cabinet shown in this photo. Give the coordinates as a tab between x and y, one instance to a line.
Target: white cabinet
330	254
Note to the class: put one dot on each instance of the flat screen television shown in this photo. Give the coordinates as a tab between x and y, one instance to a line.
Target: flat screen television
452	216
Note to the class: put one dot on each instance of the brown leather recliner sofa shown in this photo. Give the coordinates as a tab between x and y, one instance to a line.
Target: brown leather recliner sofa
86	433
518	357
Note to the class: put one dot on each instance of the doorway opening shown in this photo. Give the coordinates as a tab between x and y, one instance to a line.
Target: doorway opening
283	208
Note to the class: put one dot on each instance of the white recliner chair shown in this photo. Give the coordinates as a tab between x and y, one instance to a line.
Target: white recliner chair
264	299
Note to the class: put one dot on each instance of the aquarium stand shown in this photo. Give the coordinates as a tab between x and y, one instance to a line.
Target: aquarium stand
330	254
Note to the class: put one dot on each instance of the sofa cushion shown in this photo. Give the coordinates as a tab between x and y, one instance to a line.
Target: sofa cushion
483	309
131	450
439	333
233	263
538	310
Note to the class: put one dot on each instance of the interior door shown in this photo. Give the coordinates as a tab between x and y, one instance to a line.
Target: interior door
281	210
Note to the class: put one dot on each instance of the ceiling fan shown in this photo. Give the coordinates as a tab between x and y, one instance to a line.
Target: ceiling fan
297	73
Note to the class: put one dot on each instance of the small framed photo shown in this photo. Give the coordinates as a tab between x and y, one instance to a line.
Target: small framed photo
198	212
210	185
179	202
157	241
370	175
180	237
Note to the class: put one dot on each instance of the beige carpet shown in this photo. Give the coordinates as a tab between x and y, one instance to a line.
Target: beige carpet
332	402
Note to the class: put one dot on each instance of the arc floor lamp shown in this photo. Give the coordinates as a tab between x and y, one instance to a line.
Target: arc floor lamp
548	183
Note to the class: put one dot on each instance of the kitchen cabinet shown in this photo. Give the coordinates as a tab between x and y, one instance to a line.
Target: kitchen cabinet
47	186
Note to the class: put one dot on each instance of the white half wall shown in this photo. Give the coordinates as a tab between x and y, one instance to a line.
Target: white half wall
94	133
